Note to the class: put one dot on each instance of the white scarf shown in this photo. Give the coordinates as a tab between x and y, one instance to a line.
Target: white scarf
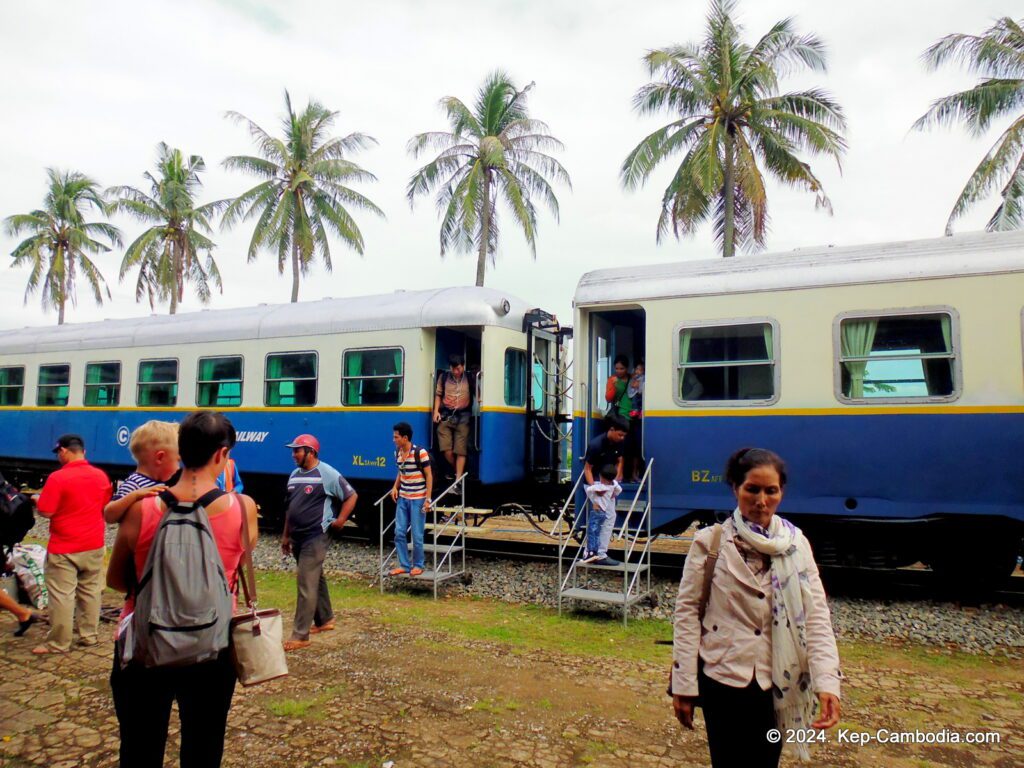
791	678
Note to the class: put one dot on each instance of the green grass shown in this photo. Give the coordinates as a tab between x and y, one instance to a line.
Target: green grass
311	707
526	628
523	627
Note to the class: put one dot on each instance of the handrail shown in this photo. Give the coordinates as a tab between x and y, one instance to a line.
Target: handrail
433	507
571	497
636	573
636	498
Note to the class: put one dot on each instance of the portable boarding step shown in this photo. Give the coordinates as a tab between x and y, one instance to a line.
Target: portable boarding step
444	547
633	536
603	596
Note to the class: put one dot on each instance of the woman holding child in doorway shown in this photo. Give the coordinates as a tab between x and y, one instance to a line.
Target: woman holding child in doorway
758	647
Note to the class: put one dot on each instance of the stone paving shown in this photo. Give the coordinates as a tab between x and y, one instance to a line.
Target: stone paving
371	692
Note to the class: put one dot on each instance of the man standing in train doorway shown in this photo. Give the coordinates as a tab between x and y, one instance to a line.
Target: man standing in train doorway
452	409
318	498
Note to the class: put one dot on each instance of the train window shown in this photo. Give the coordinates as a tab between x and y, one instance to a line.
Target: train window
54	385
896	357
515	378
102	384
372	376
291	379
158	383
219	382
737	362
12	385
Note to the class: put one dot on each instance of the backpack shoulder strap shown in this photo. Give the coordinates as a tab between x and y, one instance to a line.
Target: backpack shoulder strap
209	497
709	569
416	457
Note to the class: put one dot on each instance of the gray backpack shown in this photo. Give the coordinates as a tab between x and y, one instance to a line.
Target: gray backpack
182	603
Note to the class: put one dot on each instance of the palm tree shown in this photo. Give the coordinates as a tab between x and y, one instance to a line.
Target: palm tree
167	254
997	55
492	150
304	191
731	117
60	241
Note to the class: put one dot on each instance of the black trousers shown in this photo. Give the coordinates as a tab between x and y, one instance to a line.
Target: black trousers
143	698
737	720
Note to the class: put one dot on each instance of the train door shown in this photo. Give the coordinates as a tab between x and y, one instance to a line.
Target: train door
548	410
613	334
466	343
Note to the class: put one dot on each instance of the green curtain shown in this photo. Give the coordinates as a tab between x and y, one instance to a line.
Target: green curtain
768	341
353	386
857	338
275	367
685	337
947	332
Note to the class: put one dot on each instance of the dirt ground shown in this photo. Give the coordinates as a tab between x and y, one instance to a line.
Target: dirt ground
465	682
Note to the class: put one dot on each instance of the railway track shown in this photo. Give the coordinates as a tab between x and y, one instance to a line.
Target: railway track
883	584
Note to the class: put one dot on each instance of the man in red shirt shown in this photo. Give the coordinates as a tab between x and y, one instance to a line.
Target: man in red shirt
73	499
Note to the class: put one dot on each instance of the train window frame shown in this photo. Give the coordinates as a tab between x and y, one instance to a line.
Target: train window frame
345	378
40	386
776	362
139	383
116	400
315	379
200	382
9	387
526	382
837	358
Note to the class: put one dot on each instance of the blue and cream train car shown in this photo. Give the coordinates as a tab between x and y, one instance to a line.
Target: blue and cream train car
343	369
890	377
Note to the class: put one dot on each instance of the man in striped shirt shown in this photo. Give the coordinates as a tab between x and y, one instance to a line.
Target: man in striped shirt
412	490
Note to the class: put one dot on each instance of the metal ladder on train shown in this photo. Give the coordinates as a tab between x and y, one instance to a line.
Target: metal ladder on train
448	557
635	566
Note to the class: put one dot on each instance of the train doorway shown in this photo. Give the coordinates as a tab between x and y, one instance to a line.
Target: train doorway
464	342
614	334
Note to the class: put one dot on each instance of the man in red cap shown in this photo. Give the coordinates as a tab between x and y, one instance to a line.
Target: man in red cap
73	498
318	498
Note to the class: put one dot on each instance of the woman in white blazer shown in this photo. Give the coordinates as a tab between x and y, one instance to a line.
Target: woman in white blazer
765	649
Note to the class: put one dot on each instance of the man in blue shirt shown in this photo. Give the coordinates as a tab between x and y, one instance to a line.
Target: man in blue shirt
318	498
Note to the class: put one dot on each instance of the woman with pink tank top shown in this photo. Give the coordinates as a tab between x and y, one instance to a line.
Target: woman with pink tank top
143	696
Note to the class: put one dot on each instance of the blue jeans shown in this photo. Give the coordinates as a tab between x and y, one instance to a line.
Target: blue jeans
600	525
409	514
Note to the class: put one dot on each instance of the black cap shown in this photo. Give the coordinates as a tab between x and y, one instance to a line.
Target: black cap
69	441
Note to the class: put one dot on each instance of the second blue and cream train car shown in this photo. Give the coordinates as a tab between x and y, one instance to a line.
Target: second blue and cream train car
890	377
343	369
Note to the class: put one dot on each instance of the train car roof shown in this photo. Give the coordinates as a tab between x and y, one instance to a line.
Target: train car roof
438	307
968	254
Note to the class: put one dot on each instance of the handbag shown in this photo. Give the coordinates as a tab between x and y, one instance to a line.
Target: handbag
705	595
257	650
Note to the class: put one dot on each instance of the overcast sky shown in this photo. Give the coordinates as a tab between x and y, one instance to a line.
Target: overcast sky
94	87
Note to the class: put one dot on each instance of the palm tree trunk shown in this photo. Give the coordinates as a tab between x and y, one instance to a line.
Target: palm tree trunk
729	193
176	266
485	231
65	279
295	270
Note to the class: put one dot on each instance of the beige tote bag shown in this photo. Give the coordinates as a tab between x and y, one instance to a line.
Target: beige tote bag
257	648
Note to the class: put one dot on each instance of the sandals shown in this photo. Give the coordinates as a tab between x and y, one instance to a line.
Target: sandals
24	625
325	627
295	645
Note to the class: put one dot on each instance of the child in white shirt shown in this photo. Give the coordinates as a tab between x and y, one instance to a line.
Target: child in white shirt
601	520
